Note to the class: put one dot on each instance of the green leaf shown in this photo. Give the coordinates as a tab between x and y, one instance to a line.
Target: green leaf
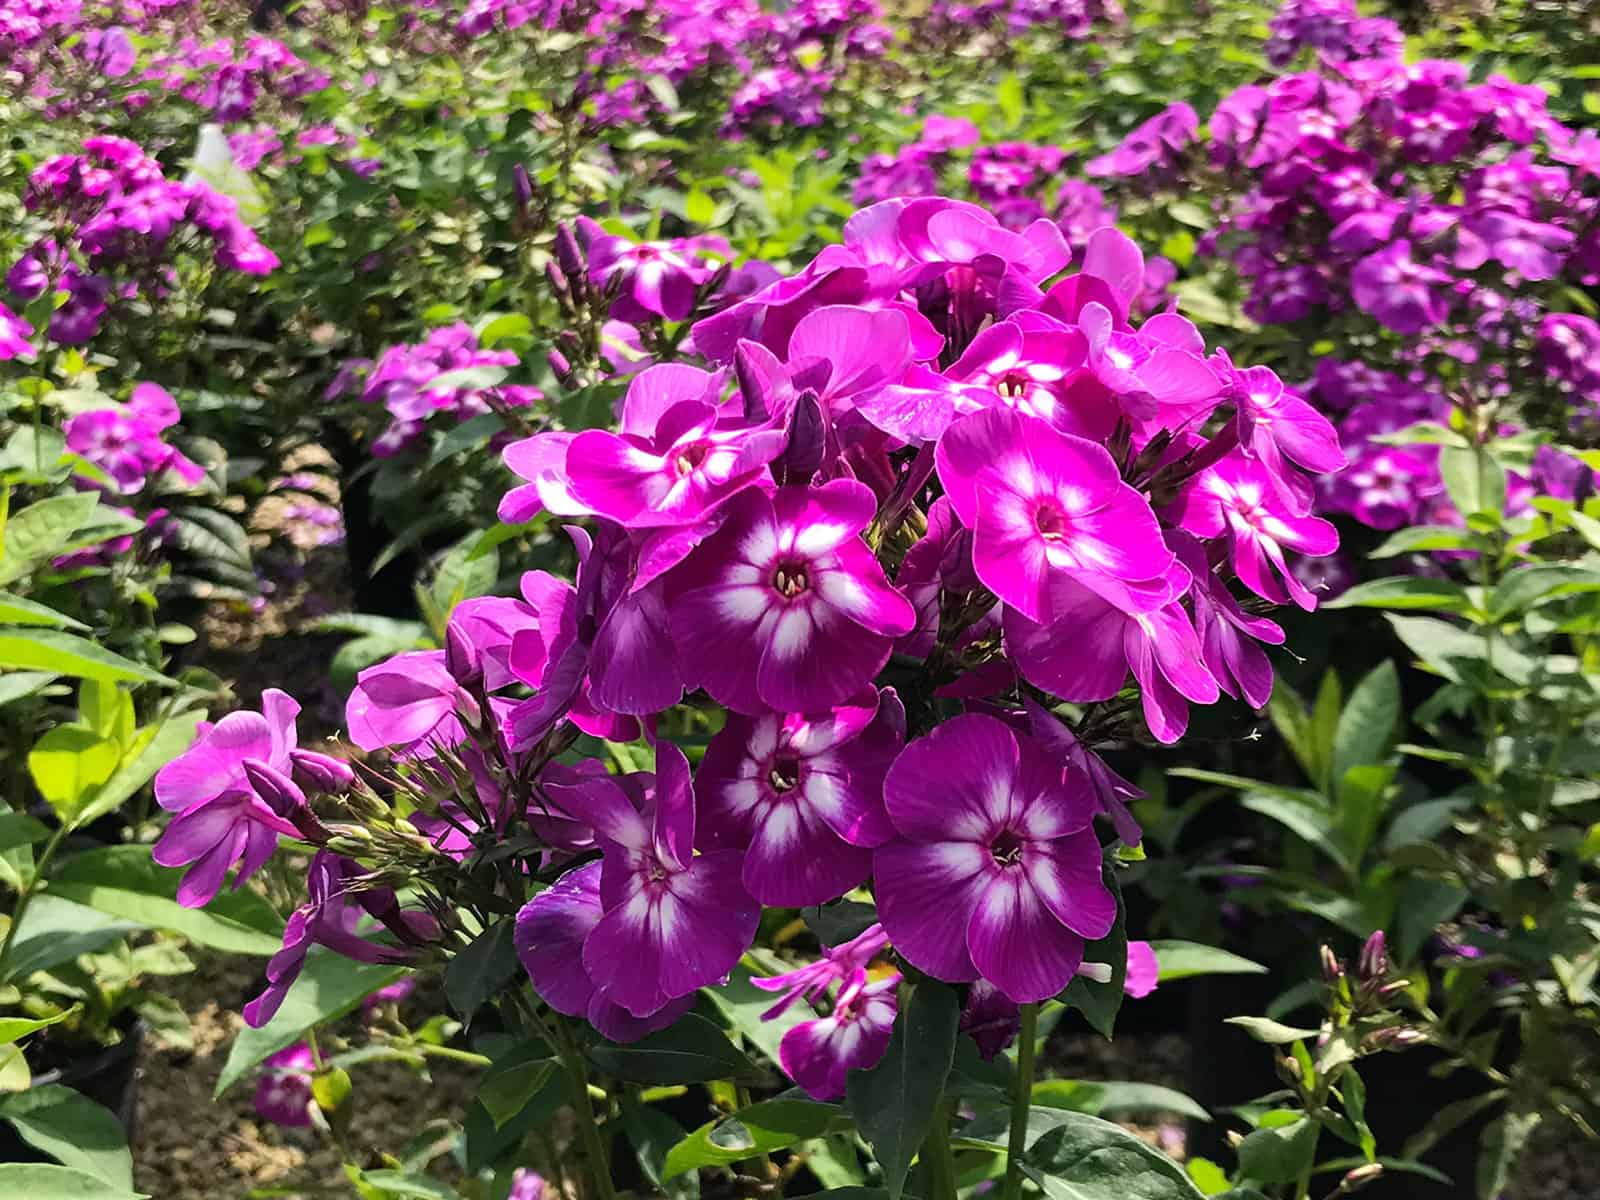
1184	960
1272	1033
1101	1002
1310	822
479	971
15	1028
329	987
68	763
19	829
653	1135
1460	655
1502	1143
1423	538
1528	586
461	576
505	1093
411	1186
15	1074
1279	1155
742	1003
168	1023
125	882
42	531
40	1181
897	1101
692	1050
505	327
758	1129
1085	1158
1405	592
19	685
1368	720
67	654
14	610
55	931
73	1130
157	746
1114	1096
1475	480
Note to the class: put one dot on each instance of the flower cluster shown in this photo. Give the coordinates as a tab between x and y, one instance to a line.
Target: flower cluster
929	464
1334	30
117	227
125	441
415	382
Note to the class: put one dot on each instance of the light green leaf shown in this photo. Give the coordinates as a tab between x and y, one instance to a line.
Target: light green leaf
329	987
68	763
72	1129
1405	592
41	531
1475	480
15	610
153	748
42	1181
758	1129
67	654
1273	1033
1184	960
13	1029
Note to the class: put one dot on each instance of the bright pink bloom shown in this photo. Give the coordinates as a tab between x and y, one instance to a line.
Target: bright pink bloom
819	1055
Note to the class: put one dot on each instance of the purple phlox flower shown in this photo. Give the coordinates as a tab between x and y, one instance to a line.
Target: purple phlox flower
1096	637
1044	505
1155	143
283	1093
1236	496
479	635
397	992
528	1184
819	1054
995	873
410	705
221	816
785	607
656	278
1143	973
990	1018
550	935
673	921
1228	636
1111	792
126	442
1403	294
688	462
802	795
330	917
14	335
813	980
1160	370
1274	423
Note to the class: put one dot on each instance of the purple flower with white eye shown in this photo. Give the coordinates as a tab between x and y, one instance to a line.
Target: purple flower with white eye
785	607
550	935
221	817
1236	497
819	1055
409	704
14	335
1095	638
802	795
125	442
656	278
283	1093
1403	294
673	921
812	980
1044	505
1229	638
996	871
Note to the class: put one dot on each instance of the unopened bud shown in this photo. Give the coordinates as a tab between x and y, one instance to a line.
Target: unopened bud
1392	989
1332	968
320	772
1374	962
1358	1178
558	281
570	343
1098	972
276	790
560	365
568	253
521	187
1290	1070
345	844
461	657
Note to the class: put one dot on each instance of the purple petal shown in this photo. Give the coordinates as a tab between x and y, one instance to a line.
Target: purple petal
926	897
1017	943
549	938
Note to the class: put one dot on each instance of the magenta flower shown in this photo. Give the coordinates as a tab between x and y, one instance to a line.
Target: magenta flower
1402	293
550	935
125	442
813	980
1111	792
802	795
1143	973
673	921
1229	638
14	335
1235	497
283	1093
1095	638
221	817
655	278
785	607
409	704
819	1055
996	872
1043	506
1275	423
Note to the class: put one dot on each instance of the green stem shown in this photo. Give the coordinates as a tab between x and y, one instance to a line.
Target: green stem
26	896
594	1148
937	1157
1021	1099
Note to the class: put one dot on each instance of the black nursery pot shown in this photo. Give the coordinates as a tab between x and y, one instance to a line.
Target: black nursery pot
108	1075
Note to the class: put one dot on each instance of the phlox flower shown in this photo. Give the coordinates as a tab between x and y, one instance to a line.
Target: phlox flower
1111	792
785	607
813	980
1094	638
1403	294
410	704
820	1054
995	873
125	442
802	795
1230	640
673	921
1044	505
221	817
1275	423
14	335
283	1093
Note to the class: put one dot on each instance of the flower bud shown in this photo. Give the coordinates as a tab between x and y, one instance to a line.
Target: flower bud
990	1018
558	281
274	788
1374	963
1332	968
1358	1178
560	365
461	657
320	772
568	253
521	187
